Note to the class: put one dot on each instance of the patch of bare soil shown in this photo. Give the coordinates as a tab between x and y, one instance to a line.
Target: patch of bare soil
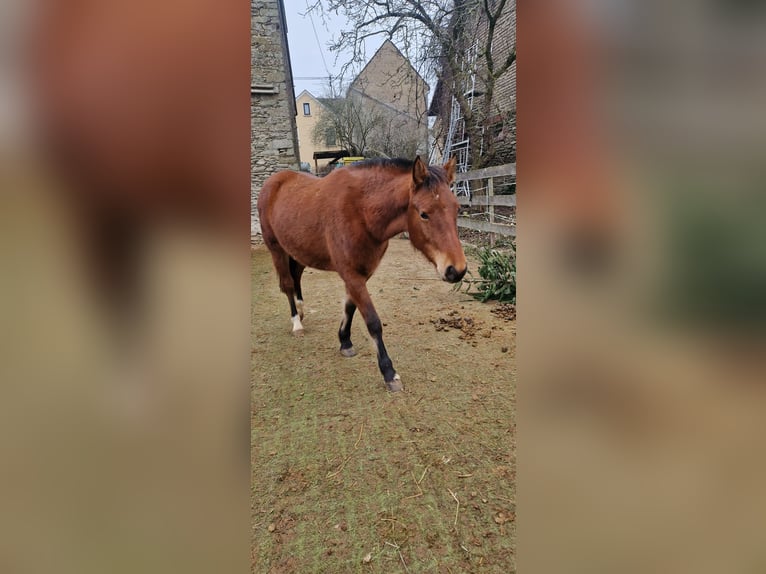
348	477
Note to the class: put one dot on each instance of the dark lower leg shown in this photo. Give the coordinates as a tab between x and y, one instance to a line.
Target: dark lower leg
384	361
344	333
293	308
287	285
295	314
357	291
296	272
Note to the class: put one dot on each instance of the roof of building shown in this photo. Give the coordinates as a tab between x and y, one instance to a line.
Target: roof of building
320	100
399	52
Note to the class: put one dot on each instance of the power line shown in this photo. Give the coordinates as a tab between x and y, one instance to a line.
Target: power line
321	53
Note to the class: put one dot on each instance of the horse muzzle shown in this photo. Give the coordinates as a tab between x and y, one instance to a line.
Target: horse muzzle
452	275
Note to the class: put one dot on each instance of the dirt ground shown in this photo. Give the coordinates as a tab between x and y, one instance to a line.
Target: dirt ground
348	477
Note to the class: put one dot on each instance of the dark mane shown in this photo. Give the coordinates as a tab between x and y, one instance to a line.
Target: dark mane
436	173
397	163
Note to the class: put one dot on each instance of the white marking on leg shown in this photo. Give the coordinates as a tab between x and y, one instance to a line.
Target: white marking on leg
396	385
297	325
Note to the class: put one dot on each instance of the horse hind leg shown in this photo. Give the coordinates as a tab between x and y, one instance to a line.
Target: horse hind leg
296	271
287	285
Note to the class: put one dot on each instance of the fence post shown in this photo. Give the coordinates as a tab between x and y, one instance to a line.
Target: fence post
491	207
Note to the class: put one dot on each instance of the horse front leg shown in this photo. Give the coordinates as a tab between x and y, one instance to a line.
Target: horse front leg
360	297
344	332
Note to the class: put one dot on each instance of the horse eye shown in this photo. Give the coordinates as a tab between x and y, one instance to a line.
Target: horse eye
423	215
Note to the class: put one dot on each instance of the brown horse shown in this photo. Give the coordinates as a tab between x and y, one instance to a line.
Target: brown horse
343	223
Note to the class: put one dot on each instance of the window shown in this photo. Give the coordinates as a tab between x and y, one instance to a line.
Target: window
306	109
330	138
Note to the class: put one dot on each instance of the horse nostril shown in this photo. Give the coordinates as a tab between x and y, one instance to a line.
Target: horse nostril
461	274
452	275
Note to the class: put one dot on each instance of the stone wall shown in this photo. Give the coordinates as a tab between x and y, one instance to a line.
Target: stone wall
273	135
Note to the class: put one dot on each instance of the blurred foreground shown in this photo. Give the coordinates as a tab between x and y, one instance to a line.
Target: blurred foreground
642	267
124	296
642	287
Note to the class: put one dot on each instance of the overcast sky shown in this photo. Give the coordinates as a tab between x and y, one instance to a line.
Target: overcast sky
309	71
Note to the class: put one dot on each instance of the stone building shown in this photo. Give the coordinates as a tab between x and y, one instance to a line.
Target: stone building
310	109
500	123
389	84
273	132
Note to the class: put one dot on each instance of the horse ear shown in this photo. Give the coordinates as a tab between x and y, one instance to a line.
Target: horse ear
449	167
419	171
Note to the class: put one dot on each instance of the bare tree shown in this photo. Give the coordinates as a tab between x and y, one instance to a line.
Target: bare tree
435	34
396	136
365	129
351	124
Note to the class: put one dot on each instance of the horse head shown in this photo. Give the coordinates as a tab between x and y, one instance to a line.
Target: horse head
432	218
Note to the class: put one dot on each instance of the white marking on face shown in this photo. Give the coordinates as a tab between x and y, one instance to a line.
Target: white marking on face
297	325
441	264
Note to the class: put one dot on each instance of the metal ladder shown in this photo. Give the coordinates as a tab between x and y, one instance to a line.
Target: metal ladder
457	143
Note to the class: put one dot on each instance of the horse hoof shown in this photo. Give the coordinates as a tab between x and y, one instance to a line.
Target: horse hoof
298	333
350	352
396	385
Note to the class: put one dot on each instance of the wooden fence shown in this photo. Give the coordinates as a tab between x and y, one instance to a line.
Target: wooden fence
488	200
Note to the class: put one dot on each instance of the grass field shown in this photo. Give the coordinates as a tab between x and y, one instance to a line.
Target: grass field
347	477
